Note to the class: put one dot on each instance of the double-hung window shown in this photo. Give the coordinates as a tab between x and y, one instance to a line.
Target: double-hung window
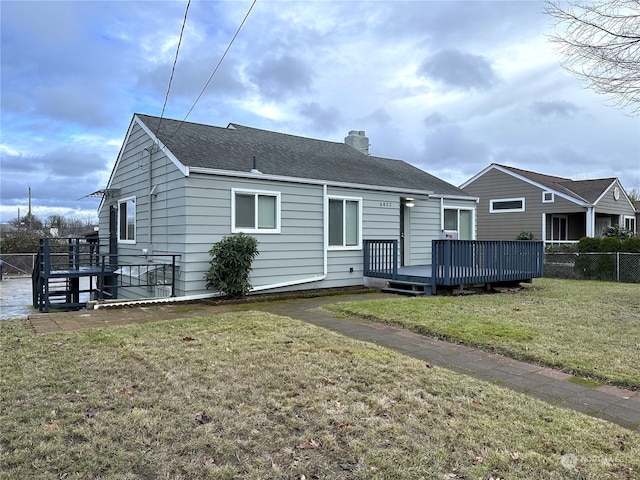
127	220
255	211
345	223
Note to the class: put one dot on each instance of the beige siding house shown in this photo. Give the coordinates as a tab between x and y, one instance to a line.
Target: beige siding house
555	209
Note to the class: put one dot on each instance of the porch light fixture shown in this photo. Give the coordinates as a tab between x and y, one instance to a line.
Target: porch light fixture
409	202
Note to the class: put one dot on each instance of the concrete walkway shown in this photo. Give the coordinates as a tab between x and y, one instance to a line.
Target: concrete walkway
606	402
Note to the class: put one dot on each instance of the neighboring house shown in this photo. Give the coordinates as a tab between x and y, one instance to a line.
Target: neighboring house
636	204
554	209
178	187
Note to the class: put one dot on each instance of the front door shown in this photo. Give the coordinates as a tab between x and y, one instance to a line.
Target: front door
405	229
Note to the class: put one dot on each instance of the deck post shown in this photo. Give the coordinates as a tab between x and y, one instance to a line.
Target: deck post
395	260
173	275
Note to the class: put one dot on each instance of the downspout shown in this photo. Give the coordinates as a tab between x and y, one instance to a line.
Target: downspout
152	189
325	243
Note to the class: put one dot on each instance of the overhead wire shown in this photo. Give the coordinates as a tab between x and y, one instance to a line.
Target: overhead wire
173	69
215	69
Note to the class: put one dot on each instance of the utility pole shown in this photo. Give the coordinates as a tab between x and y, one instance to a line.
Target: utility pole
29	215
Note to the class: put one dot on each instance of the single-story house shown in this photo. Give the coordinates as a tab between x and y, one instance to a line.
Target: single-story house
179	187
555	209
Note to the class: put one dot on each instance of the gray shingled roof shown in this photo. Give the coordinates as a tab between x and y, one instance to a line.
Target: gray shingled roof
233	149
585	190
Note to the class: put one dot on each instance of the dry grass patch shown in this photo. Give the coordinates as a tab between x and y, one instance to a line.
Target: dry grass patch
587	328
253	395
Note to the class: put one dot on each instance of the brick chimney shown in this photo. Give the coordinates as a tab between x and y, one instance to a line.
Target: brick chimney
358	140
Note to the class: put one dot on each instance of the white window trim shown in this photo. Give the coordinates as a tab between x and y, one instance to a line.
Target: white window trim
458	208
135	220
344	219
256	194
553	197
632	220
509	210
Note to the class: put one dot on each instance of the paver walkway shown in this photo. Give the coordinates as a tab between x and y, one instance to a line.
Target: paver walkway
606	402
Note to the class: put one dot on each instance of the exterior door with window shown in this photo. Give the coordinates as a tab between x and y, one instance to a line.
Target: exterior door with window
559	228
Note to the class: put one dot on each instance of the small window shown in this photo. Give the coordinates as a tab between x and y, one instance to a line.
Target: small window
255	211
459	220
345	223
548	197
506	205
127	220
630	223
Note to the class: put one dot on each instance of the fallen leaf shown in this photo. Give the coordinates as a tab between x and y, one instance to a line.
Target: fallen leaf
515	456
202	418
208	460
188	339
310	445
50	427
124	391
374	469
91	412
63	476
327	381
479	459
428	365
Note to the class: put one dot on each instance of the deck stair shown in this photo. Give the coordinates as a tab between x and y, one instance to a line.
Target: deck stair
413	288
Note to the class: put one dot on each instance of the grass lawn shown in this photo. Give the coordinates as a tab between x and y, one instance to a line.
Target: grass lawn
587	328
253	395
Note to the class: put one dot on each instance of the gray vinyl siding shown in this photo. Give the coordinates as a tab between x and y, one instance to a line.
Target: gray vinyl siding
168	208
495	185
611	206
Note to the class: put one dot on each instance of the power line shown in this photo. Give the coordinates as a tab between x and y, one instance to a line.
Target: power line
215	69
173	69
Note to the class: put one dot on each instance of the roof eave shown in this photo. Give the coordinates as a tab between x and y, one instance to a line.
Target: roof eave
307	181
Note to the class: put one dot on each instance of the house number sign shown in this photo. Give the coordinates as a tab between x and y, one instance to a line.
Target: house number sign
386	204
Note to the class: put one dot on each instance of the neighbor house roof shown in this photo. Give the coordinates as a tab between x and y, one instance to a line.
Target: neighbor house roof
234	148
587	191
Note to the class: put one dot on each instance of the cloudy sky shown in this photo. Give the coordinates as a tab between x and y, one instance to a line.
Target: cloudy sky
448	86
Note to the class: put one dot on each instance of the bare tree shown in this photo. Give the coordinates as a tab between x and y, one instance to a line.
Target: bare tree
600	42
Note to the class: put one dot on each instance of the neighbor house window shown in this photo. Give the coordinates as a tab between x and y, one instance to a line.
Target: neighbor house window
345	223
548	197
506	205
559	228
630	223
127	220
255	211
459	220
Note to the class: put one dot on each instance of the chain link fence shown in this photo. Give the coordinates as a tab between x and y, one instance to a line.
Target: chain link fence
615	266
18	263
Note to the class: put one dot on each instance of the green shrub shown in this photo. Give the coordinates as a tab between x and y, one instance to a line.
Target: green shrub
610	244
631	245
589	244
526	236
231	264
618	232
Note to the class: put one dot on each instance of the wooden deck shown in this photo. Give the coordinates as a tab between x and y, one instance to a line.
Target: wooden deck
456	263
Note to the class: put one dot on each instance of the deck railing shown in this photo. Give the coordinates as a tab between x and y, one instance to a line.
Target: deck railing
462	262
62	262
459	262
380	258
